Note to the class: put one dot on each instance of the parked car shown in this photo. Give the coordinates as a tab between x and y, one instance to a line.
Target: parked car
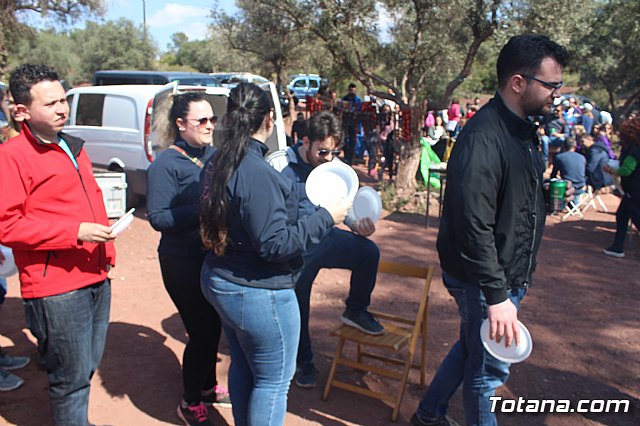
306	84
120	77
232	79
118	124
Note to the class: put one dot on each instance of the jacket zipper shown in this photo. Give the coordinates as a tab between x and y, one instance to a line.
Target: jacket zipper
534	215
84	189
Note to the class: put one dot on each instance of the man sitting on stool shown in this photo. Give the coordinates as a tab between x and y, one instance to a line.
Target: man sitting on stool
571	165
340	249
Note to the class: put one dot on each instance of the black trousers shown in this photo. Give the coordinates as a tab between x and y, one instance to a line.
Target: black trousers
181	276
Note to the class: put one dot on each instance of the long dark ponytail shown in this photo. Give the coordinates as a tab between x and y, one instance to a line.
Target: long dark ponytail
247	107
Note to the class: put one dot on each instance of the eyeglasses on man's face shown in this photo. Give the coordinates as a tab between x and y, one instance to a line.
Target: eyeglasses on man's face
554	86
202	122
325	152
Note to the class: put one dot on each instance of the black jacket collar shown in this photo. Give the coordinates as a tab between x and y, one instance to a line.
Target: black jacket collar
518	126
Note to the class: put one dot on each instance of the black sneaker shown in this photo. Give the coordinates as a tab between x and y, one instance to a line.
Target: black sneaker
12	362
9	381
613	252
218	397
194	414
363	321
442	421
306	377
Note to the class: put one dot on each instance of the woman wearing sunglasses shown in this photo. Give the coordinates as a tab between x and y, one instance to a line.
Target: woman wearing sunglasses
173	199
250	222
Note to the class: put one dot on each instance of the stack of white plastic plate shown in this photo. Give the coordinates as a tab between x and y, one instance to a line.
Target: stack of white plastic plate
367	203
330	182
512	354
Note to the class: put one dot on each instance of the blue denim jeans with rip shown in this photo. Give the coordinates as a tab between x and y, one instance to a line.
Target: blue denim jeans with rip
468	363
341	250
71	329
262	328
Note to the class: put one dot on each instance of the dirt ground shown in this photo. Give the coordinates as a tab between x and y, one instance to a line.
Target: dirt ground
583	312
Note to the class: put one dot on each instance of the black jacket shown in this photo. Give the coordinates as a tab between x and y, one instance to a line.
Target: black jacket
173	200
267	236
494	209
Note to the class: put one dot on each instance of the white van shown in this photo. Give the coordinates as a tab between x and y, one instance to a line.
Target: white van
116	123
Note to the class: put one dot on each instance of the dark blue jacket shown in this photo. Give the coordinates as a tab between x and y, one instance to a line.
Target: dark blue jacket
267	235
173	200
597	157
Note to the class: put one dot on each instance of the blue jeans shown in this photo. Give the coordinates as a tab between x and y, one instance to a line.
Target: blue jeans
545	141
468	363
71	329
342	250
262	327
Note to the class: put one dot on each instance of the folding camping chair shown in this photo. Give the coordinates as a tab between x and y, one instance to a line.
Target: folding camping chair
400	336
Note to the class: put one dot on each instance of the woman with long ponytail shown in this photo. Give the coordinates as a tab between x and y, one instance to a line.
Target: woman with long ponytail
249	221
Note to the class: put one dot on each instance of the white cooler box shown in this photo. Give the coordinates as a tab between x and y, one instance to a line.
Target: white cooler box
114	192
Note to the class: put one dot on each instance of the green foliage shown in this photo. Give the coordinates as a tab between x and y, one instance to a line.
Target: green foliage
115	45
49	47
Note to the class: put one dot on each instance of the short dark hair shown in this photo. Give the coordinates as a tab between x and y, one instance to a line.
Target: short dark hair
524	53
569	144
352	86
23	78
322	125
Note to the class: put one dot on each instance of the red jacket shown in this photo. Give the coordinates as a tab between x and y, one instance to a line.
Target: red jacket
43	200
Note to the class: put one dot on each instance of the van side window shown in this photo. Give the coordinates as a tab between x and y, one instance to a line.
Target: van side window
119	111
300	83
70	103
313	84
89	111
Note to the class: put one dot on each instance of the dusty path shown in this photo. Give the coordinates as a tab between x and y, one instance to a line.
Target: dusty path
583	312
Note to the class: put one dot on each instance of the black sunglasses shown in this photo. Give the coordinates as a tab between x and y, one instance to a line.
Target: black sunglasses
325	152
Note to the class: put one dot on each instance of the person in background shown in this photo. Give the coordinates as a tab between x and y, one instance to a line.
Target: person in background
597	157
604	136
15	119
53	217
173	205
587	120
453	116
9	381
489	236
251	225
571	166
629	173
298	129
351	106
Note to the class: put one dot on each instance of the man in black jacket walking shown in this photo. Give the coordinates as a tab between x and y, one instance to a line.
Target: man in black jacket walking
492	224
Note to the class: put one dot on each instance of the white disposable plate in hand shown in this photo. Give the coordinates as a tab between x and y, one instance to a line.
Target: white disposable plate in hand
331	181
122	223
8	267
513	353
367	203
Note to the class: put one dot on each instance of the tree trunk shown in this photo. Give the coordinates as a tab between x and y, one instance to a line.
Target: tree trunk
410	154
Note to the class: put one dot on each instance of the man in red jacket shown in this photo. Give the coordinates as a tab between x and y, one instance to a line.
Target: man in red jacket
53	217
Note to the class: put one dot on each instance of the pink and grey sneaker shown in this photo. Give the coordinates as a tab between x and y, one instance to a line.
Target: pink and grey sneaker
218	397
197	414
